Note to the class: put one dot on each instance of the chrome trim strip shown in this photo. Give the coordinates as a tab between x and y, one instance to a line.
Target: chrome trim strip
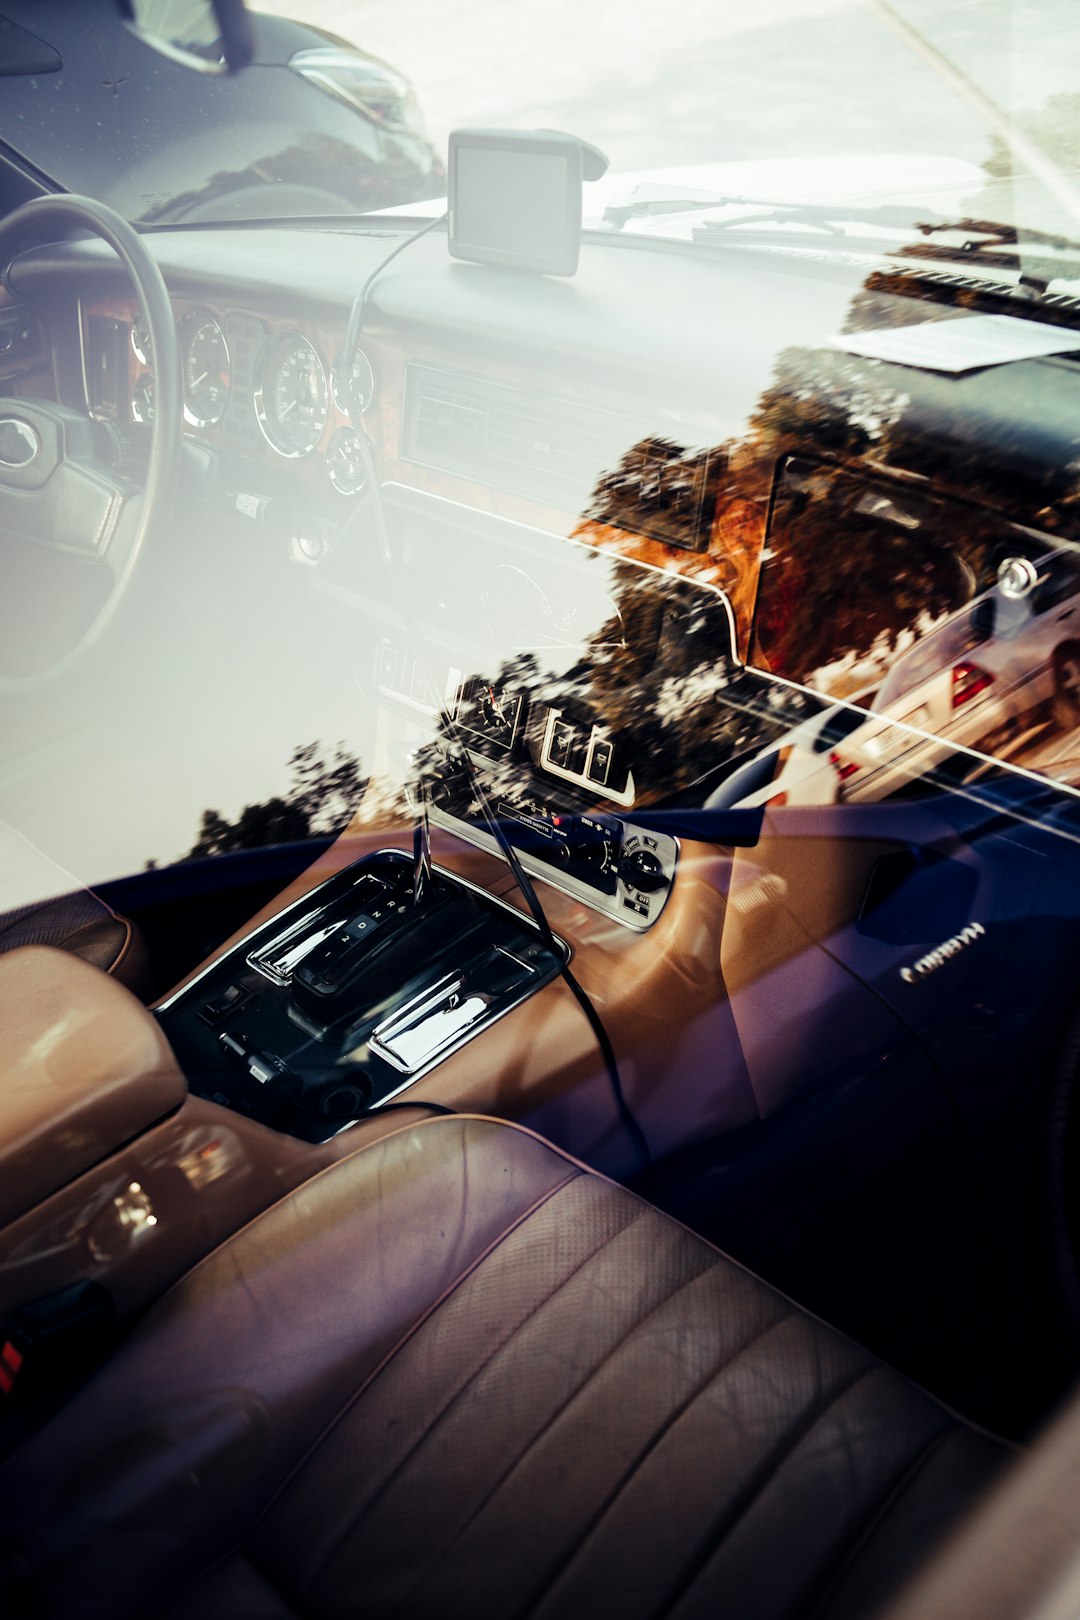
26	436
428	1004
444	1052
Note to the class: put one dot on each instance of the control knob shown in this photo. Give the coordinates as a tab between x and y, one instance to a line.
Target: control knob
640	869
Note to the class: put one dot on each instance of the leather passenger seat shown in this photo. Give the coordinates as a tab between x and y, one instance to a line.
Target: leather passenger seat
459	1375
69	917
83	924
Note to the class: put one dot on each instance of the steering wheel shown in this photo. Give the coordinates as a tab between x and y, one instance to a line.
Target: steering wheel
57	494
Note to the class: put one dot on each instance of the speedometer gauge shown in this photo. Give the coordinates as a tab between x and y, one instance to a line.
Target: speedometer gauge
207	369
291	399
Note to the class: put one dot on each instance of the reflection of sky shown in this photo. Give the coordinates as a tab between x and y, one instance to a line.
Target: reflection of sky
709	81
209	678
1018	52
199	696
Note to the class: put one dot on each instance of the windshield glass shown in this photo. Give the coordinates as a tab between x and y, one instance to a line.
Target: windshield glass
625	680
349	104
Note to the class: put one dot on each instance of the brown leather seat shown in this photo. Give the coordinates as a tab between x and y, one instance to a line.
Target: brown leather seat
86	926
57	912
459	1375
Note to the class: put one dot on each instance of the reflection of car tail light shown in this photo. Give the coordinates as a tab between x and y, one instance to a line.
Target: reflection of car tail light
777	800
843	767
968	681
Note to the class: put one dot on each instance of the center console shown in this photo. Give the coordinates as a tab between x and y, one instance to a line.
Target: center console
349	996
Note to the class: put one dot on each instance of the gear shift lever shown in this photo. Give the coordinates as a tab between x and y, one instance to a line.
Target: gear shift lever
421	848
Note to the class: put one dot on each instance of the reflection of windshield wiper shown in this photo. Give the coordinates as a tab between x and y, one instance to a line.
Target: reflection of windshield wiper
829	216
980	235
1001	244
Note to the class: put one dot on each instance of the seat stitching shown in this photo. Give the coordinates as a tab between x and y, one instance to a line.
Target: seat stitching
574	1394
750	1494
129	936
480	1367
237	1545
655	1440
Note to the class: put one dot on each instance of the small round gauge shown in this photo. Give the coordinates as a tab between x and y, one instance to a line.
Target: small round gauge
142	398
140	340
345	461
489	715
291	398
207	369
353	389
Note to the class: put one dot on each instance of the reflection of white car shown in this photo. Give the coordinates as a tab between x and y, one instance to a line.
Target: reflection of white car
993	663
799	769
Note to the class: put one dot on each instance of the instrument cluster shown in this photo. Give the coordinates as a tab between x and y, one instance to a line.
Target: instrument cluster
279	394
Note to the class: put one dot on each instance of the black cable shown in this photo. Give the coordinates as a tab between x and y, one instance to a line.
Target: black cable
356	314
524	883
603	1041
352	340
392	1107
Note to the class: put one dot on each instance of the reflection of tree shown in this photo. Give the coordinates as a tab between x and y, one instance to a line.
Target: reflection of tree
865	548
854	569
661	490
733	485
319	800
659	691
857	561
656	677
856	564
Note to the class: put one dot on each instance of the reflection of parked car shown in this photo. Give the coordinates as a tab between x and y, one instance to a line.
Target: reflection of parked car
985	671
799	769
312	124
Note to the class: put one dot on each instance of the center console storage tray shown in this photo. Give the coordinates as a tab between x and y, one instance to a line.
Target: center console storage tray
352	994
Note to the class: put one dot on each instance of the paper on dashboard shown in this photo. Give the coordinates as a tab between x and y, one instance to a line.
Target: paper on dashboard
960	343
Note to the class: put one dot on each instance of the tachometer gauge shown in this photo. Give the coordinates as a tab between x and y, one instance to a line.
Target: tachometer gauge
291	399
207	369
354	388
345	461
142	399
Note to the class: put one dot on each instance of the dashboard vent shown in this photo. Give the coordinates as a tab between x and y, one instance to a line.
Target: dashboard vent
554	450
